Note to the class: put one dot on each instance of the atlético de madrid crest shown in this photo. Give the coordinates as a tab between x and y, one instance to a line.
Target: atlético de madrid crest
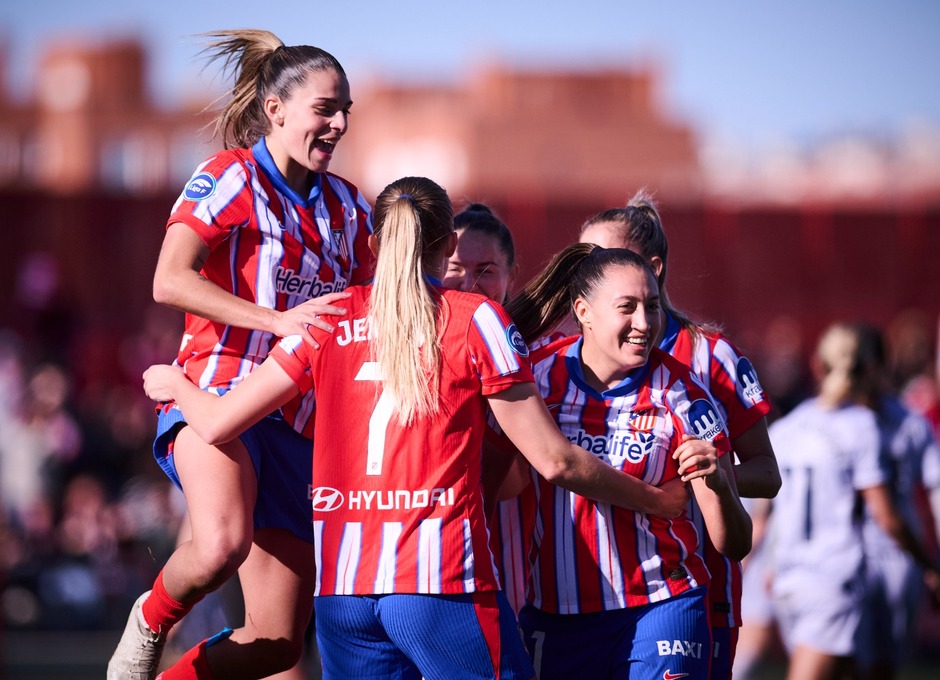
644	421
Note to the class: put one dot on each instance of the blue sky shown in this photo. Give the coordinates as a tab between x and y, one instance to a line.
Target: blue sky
756	73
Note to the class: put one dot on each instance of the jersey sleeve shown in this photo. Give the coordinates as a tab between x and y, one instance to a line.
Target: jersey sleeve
497	349
216	201
863	440
696	413
293	355
734	385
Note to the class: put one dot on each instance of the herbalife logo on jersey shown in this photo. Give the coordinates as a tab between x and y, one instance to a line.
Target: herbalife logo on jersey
629	445
288	281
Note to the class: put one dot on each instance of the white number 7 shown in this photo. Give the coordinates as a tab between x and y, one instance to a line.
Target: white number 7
378	422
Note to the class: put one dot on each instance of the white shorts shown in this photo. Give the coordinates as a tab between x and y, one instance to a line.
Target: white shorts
826	623
757	607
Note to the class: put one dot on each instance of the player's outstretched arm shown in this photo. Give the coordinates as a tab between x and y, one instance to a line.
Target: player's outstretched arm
216	419
524	418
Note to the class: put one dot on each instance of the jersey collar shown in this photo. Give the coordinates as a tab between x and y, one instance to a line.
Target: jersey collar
630	384
670	333
269	167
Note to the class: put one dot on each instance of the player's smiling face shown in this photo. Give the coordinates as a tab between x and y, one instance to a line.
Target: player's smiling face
620	322
479	266
307	126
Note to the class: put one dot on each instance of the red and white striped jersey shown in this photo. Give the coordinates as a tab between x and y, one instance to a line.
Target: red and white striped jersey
271	246
732	381
400	509
729	377
591	556
513	524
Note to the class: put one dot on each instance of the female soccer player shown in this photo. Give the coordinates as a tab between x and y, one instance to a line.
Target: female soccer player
405	579
732	381
485	259
894	582
616	593
261	242
829	452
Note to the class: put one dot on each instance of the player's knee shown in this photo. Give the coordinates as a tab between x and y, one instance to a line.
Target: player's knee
221	556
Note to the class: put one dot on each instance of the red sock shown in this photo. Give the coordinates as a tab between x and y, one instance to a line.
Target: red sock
193	665
162	612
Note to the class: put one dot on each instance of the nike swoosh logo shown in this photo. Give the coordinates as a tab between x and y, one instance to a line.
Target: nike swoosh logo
674	676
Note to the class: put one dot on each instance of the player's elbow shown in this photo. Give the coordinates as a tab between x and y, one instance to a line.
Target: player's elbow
171	289
559	470
216	433
773	482
163	293
738	548
759	477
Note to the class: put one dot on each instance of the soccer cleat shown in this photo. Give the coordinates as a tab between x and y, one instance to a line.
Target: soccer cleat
138	653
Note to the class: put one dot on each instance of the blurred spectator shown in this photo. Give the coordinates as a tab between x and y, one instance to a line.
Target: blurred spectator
42	312
909	338
781	361
81	531
40	438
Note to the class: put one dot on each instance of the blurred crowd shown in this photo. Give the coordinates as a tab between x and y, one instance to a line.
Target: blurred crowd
87	517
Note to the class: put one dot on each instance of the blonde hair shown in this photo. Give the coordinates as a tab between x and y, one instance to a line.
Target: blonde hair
837	356
263	66
849	361
413	217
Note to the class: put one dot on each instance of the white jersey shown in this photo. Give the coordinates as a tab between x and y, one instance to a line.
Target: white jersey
931	467
907	444
825	456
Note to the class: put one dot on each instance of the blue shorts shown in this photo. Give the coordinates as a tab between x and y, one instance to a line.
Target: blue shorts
893	597
409	636
283	463
724	644
668	639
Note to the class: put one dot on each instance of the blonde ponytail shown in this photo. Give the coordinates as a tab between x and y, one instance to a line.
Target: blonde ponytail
837	355
412	217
